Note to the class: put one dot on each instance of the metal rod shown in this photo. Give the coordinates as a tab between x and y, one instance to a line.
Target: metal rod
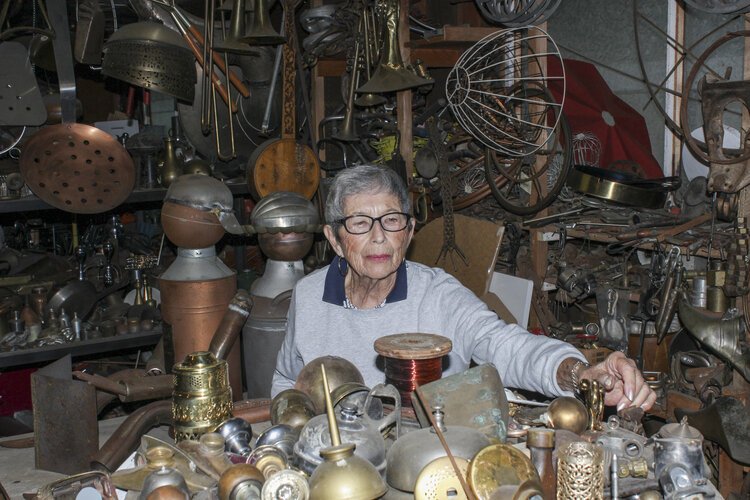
274	80
333	426
423	401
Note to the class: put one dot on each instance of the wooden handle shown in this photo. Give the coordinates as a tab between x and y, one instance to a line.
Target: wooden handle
233	79
220	89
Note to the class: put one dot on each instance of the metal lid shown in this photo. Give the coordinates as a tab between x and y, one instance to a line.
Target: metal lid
205	193
285	212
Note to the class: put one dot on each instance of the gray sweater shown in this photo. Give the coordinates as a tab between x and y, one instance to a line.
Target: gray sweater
433	302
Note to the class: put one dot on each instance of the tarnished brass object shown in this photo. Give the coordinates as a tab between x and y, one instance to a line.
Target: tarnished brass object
292	407
391	74
157	458
567	413
501	466
268	459
339	372
343	475
593	395
580	471
241	482
287	484
438	477
165	477
202	398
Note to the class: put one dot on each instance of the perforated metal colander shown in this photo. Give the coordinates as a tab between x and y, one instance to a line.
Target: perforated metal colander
152	56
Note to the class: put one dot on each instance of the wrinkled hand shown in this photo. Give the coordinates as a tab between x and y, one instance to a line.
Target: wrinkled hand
623	383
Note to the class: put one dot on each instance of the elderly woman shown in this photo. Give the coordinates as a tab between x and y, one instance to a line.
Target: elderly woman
370	290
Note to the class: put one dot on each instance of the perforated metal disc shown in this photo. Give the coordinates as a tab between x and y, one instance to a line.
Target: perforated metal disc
438	480
77	168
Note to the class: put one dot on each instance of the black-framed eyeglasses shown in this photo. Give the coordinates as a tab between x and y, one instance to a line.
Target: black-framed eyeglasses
361	224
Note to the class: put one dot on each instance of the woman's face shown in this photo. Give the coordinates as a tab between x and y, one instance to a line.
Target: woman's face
377	253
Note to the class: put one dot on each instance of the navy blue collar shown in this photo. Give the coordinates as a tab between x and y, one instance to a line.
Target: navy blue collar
334	292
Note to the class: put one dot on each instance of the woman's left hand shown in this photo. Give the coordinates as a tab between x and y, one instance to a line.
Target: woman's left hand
622	381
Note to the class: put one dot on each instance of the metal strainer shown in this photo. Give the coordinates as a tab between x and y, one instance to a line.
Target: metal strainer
438	480
152	56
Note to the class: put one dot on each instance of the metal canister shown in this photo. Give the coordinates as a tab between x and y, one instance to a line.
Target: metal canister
202	398
262	337
195	293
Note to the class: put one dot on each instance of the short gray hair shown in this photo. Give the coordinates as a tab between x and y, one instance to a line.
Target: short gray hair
360	180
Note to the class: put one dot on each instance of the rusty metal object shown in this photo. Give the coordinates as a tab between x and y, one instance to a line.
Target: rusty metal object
65	426
195	309
190	227
125	439
135	387
77	168
254	411
231	324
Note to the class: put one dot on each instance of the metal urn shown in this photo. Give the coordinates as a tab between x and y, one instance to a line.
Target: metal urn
198	287
285	223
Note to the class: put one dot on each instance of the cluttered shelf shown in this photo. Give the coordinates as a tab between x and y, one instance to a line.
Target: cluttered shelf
100	345
33	203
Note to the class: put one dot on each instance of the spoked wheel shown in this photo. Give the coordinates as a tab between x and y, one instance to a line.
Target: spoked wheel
524	186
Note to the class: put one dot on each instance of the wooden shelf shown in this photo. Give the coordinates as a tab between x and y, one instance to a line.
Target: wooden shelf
32	203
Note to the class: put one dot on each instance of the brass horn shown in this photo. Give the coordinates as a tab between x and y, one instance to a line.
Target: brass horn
261	32
233	42
347	133
391	74
719	335
370	99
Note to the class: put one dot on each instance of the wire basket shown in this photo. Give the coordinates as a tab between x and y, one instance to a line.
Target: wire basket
498	91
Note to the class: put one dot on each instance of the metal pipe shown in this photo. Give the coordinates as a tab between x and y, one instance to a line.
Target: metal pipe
231	324
125	439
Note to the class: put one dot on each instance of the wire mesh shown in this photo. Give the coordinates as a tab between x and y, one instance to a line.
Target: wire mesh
498	91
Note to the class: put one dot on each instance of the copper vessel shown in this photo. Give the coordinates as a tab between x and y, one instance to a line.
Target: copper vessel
195	309
190	227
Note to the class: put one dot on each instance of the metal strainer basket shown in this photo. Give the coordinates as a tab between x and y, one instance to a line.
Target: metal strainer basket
152	56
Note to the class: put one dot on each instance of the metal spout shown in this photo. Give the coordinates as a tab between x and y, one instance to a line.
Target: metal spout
720	336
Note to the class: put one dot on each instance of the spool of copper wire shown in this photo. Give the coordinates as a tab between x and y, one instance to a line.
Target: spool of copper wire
412	360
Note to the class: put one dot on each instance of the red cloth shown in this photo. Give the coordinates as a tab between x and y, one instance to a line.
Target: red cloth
590	104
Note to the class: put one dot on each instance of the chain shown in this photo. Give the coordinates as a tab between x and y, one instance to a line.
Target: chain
446	193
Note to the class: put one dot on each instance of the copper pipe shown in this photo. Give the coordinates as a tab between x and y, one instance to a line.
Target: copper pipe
126	438
231	324
233	78
199	57
133	385
253	411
